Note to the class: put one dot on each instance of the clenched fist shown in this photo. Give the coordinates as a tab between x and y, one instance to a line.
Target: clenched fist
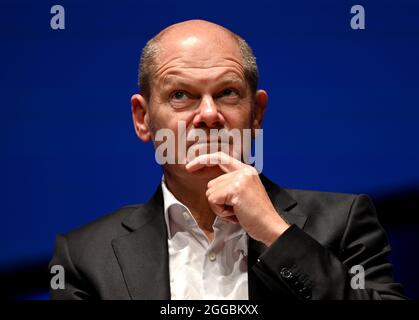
238	196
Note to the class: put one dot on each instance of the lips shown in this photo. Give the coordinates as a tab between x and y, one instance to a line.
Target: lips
208	144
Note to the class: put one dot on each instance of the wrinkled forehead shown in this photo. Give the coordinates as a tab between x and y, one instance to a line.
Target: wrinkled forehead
198	49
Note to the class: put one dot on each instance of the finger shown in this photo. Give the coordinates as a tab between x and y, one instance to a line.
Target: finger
221	184
217	197
220	179
223	160
222	194
222	211
216	208
231	219
227	212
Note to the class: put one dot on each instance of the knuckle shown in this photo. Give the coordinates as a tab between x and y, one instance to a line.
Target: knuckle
210	198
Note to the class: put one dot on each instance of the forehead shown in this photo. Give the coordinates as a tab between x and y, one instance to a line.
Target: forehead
208	56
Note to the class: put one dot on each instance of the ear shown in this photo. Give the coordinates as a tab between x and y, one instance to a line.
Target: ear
140	117
261	100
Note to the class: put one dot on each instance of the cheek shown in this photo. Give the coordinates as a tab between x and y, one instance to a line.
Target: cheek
167	122
238	119
240	116
159	118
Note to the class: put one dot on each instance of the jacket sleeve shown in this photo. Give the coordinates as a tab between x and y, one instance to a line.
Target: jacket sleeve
75	288
309	270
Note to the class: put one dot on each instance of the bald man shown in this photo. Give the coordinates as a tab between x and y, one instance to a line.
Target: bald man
215	228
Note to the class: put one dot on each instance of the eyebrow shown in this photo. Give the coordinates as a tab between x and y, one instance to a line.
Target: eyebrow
232	78
226	79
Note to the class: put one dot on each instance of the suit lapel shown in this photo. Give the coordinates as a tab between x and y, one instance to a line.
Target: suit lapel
285	205
143	254
287	208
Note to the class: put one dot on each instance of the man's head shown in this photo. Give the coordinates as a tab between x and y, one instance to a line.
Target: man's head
201	74
148	61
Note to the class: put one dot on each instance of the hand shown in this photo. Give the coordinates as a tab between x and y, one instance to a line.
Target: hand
238	196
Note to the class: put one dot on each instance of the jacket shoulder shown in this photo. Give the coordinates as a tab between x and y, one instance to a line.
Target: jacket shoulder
322	199
103	229
328	214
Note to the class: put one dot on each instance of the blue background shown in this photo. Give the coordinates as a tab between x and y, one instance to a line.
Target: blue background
342	116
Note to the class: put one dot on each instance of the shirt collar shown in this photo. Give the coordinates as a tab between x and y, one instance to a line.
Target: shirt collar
173	208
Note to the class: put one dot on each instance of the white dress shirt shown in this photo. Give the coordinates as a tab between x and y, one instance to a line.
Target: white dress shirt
198	268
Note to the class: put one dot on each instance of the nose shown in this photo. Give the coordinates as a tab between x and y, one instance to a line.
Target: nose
208	114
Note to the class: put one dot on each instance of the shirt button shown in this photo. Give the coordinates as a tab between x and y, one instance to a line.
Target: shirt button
211	256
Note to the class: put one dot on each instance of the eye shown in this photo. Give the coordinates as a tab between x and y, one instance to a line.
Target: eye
229	93
179	95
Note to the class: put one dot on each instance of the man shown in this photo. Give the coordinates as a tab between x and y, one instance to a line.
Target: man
215	229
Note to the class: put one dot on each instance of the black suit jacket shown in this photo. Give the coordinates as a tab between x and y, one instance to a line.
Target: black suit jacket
124	255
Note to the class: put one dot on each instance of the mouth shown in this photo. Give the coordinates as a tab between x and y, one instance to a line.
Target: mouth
209	144
209	147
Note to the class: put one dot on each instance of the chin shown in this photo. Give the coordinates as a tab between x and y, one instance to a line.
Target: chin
208	173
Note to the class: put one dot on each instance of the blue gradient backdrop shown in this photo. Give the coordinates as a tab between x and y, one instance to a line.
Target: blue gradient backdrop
343	109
